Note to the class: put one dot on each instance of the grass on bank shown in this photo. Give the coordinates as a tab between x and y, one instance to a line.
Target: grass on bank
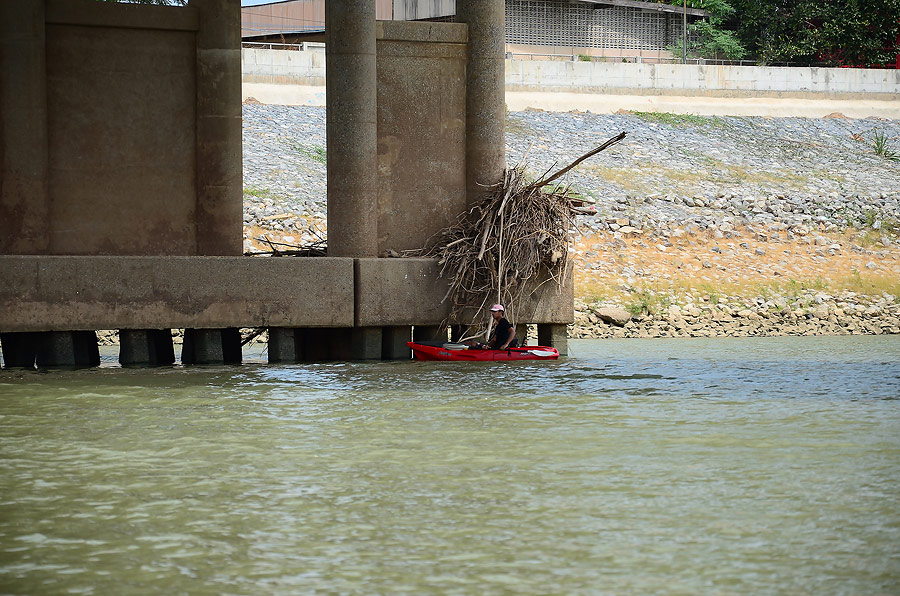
647	178
316	153
681	119
659	297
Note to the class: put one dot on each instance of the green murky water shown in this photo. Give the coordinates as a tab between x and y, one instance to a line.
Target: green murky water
747	466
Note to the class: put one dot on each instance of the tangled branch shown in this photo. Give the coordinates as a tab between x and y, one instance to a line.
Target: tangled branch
515	239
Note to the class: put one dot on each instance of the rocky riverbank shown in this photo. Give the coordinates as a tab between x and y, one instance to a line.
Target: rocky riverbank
701	225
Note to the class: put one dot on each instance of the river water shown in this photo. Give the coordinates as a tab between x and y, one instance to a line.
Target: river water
726	466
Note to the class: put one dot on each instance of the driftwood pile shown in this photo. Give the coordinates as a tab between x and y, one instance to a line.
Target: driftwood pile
514	241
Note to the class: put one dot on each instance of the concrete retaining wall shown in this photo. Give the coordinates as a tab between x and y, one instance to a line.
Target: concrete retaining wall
307	68
702	80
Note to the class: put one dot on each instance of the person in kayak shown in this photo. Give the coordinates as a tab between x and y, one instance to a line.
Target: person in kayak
504	335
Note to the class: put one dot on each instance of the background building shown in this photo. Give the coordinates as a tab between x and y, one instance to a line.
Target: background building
539	28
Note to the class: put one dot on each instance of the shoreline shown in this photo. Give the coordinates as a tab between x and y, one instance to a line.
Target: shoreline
758	214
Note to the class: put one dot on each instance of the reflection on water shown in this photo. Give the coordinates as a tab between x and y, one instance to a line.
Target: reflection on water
752	466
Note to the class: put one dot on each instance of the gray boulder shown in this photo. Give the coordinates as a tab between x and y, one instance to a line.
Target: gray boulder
613	316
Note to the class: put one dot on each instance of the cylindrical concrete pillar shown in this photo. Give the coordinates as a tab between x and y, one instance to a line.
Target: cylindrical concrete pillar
24	172
485	94
219	174
351	132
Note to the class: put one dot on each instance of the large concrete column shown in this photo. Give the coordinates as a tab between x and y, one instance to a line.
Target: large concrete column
485	93
219	221
351	132
24	173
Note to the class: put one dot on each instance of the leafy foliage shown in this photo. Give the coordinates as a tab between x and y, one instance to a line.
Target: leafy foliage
838	32
157	2
712	38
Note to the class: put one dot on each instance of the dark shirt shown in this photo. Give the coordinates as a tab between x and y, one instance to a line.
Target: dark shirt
500	334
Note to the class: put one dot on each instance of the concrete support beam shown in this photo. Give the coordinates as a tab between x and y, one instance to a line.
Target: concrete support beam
393	342
351	130
219	173
555	336
43	293
146	347
365	343
24	160
68	349
398	292
485	94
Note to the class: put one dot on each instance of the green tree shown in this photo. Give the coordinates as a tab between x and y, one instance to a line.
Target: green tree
712	37
157	2
837	32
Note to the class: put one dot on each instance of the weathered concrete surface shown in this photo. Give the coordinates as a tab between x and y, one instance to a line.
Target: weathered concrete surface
485	93
702	80
121	130
393	342
555	336
421	131
365	343
71	292
409	292
24	205
393	292
146	347
218	121
121	170
351	134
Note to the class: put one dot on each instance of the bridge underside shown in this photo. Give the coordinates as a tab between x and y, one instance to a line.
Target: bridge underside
315	308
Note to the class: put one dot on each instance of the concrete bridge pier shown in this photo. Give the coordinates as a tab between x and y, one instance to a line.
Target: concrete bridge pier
211	346
485	94
522	333
319	344
555	335
284	345
51	349
146	347
20	349
365	343
429	333
393	342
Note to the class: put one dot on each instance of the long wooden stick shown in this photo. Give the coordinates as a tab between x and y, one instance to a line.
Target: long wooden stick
587	155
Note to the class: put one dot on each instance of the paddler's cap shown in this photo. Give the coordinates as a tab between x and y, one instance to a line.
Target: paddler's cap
497	307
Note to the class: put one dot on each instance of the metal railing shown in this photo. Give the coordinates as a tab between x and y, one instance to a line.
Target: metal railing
649	60
292	47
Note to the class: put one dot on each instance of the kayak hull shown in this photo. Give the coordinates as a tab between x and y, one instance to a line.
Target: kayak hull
436	353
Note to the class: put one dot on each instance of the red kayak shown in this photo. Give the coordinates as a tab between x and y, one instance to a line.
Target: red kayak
463	353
